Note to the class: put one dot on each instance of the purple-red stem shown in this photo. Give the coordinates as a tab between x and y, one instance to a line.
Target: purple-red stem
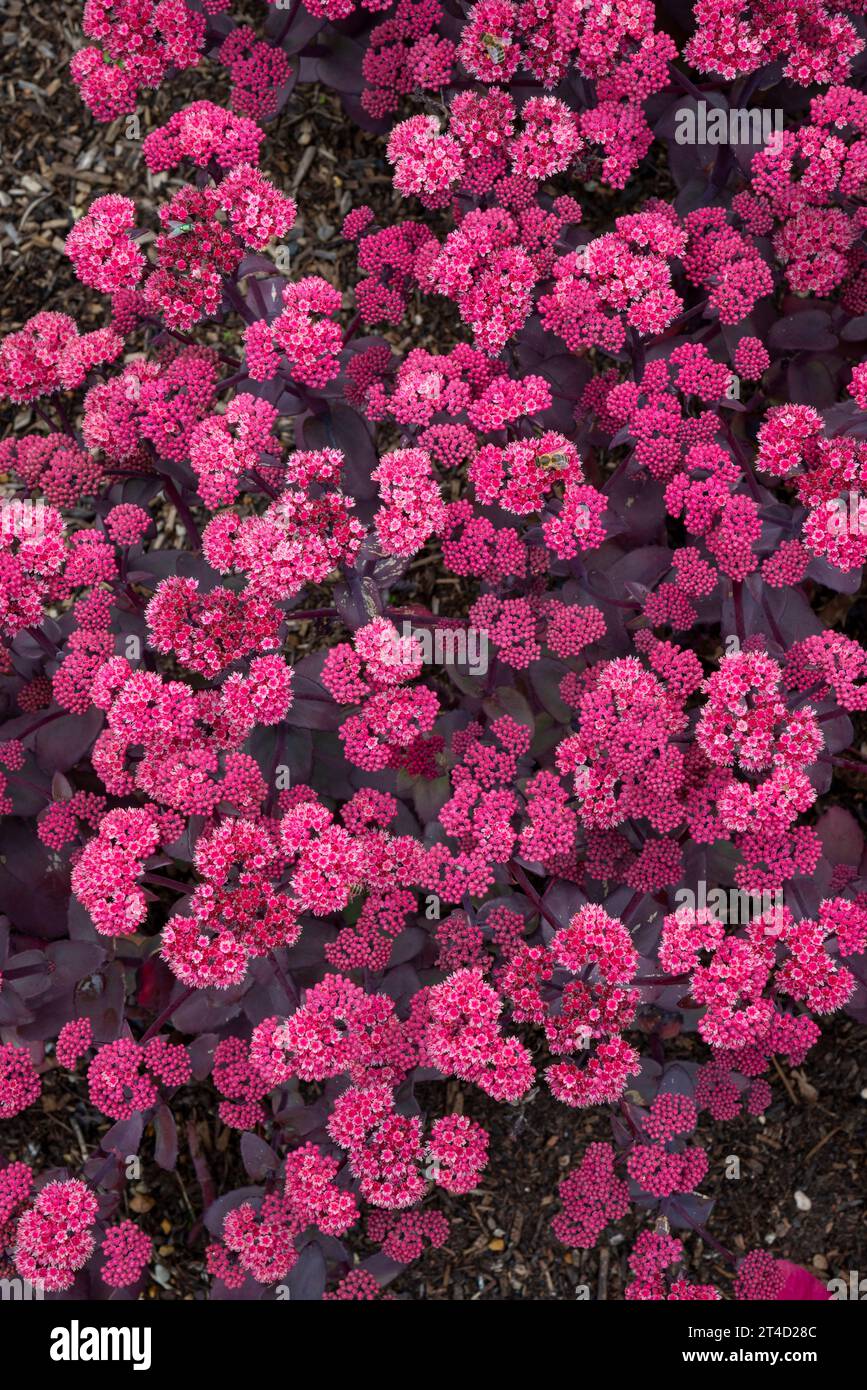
162	882
705	1234
44	642
192	530
166	1015
289	988
40	723
284	32
524	883
738	599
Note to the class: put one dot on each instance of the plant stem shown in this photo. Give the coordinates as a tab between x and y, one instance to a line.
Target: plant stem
44	642
163	882
354	325
630	907
284	32
256	477
524	883
425	619
686	83
192	530
705	1234
738	600
661	980
289	988
43	415
40	723
743	462
310	614
165	1015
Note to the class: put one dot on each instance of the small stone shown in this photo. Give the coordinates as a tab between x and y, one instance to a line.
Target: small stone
802	1201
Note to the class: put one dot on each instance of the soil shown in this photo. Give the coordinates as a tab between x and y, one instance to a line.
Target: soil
800	1191
811	1142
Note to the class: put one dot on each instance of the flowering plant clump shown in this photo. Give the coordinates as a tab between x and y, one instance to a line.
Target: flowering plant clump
274	829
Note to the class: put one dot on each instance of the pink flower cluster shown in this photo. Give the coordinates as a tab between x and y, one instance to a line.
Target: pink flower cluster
123	1076
394	719
139	41
593	1011
305	333
258	72
263	1241
19	1081
618	283
205	233
53	1237
201	133
127	1251
49	354
620	456
101	249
